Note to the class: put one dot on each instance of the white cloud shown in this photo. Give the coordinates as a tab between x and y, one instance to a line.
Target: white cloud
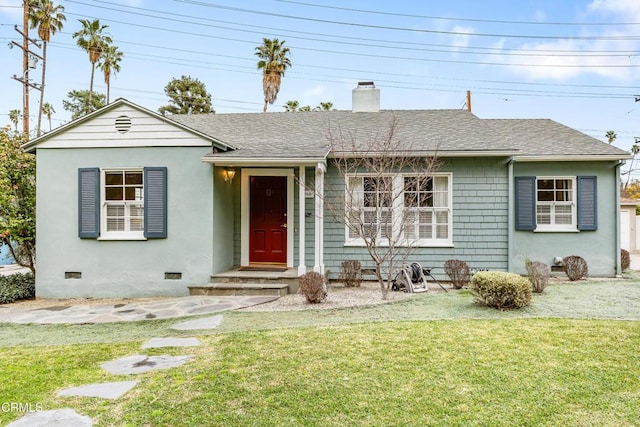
627	10
539	16
461	40
563	65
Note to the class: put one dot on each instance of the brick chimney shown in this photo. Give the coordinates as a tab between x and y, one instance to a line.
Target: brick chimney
365	98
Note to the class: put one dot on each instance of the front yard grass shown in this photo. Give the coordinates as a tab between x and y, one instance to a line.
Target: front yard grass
498	372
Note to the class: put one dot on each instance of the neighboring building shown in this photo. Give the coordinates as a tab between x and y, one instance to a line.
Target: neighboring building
5	256
131	203
629	227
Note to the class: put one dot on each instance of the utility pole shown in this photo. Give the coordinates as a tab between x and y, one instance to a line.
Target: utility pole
469	100
28	61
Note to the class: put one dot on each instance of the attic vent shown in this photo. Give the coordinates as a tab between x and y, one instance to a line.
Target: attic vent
123	124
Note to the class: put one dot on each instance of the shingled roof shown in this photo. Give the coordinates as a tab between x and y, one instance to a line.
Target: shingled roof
303	135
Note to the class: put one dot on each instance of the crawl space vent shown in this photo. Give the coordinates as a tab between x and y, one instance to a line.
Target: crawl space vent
123	124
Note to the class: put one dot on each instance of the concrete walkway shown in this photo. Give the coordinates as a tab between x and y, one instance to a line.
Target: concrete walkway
162	309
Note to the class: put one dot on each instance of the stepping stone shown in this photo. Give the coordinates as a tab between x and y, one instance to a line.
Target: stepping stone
171	342
104	390
140	363
60	417
205	323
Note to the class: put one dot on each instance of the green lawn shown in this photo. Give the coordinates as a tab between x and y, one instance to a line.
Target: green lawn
358	367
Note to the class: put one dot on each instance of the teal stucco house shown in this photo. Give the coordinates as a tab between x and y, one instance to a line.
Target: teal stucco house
131	203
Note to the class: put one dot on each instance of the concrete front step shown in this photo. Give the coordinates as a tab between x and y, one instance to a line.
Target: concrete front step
221	289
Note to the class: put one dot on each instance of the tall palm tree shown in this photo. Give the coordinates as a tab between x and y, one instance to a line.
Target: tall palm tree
48	110
14	116
93	39
48	19
109	64
274	60
611	136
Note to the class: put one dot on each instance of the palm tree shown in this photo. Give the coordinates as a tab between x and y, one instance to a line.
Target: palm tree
109	64
635	150
274	60
14	116
48	110
291	106
326	106
49	19
94	41
611	136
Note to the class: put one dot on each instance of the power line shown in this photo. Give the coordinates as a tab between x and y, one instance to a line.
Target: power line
404	29
341	38
443	18
451	61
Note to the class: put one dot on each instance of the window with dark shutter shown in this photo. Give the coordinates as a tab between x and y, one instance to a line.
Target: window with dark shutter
88	203
525	189
155	202
587	203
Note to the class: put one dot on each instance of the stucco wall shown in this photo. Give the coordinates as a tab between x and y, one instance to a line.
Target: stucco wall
123	268
599	248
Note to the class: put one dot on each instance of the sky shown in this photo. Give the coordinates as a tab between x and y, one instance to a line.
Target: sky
573	61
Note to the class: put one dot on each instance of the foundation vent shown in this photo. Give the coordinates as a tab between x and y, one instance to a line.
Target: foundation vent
172	276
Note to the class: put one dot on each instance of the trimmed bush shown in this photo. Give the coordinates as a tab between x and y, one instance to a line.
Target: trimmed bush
16	287
538	273
351	273
458	272
312	286
501	290
625	259
575	267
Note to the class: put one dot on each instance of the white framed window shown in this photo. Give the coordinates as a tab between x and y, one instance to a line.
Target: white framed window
411	209
556	208
122	196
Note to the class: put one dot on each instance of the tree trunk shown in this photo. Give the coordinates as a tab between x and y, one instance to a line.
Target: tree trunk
93	70
44	69
383	288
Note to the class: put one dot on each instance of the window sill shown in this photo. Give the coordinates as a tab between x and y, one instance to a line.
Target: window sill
556	230
122	237
361	244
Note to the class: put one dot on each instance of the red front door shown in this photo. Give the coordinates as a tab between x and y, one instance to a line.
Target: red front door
268	219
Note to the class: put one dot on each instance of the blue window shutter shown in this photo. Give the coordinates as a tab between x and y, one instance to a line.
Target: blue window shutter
525	202
155	202
88	203
587	203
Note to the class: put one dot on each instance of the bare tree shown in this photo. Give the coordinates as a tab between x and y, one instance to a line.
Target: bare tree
387	192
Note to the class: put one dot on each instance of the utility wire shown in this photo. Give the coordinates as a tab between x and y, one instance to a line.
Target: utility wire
490	21
405	29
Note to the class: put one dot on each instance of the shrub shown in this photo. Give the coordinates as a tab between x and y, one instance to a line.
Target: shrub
313	287
538	273
625	259
458	272
16	287
575	267
501	290
351	273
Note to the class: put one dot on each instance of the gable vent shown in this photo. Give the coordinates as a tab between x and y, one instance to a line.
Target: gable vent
123	124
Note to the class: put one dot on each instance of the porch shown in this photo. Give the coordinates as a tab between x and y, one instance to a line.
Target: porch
238	281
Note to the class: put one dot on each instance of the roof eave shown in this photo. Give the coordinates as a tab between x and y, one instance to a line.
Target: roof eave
30	146
272	161
421	153
572	158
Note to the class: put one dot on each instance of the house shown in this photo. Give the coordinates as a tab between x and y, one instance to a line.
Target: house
131	203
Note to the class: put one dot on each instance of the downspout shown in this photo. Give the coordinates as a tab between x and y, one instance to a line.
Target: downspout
510	215
617	219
